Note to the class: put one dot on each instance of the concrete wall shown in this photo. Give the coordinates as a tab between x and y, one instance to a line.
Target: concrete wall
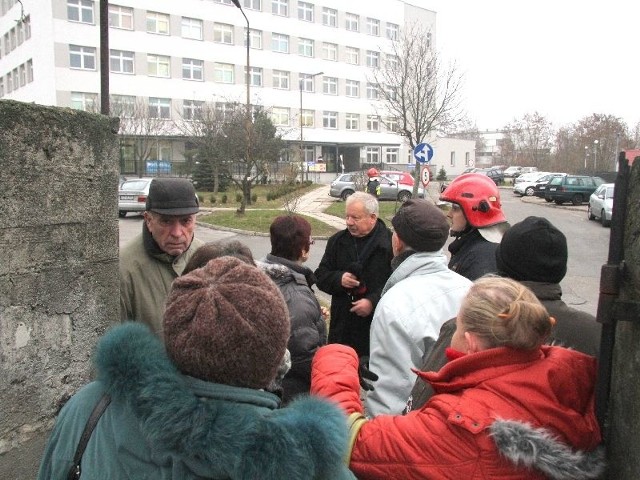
58	266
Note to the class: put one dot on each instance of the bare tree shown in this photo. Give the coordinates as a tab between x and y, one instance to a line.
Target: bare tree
416	90
532	139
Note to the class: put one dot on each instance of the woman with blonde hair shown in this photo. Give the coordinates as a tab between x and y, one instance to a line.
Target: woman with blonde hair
506	405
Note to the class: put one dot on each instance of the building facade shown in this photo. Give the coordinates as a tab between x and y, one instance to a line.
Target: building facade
310	67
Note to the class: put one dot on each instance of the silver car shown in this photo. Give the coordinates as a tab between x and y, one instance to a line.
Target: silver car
601	204
132	195
348	183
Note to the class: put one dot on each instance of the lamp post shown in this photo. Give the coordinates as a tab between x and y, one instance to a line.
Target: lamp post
615	155
595	154
586	154
302	159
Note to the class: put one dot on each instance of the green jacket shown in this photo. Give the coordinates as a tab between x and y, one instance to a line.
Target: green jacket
145	279
163	425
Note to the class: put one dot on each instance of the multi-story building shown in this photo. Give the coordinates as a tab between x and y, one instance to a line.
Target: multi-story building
310	63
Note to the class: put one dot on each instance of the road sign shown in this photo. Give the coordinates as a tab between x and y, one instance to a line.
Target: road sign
425	176
423	153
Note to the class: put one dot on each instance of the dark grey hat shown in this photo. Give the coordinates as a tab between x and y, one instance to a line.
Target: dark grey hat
172	196
421	225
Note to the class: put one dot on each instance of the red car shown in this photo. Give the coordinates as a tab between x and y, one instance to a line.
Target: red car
403	178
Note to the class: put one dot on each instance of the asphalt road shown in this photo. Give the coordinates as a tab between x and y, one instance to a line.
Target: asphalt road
588	244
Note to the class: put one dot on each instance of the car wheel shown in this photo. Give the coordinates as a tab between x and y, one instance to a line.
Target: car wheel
404	196
346	194
590	215
603	219
559	202
548	200
576	199
122	213
529	192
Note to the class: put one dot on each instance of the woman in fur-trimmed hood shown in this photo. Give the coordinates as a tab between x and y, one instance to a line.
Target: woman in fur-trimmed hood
506	406
197	408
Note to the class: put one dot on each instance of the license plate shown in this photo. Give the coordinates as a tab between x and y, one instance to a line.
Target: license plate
126	197
552	189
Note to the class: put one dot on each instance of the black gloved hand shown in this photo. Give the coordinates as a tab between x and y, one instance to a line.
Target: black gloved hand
365	375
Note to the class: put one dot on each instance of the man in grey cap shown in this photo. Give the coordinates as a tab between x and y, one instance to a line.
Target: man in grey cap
152	260
420	295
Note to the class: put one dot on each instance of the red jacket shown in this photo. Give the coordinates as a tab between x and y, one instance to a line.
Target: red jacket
487	406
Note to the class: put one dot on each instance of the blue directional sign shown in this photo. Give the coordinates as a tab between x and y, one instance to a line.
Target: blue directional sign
423	153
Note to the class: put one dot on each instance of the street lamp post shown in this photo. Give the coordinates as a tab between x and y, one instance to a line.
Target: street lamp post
615	156
586	154
595	154
302	159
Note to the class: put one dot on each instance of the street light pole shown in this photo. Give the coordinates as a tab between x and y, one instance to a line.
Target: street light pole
595	154
586	154
302	159
615	156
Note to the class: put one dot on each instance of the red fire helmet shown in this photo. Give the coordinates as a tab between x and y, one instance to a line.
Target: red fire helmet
479	198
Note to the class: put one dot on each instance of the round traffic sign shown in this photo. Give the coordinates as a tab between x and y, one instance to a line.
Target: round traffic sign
425	176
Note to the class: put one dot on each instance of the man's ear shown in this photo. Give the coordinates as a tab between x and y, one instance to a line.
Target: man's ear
473	342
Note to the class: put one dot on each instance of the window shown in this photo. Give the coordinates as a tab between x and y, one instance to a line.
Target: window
280	7
392	155
329	17
84	101
373	154
123	105
280	116
192	69
1	87
351	22
352	88
281	79
305	47
29	71
467	158
373	59
352	55
191	28
307	82
160	152
373	27
22	75
80	11
253	4
373	92
225	110
393	31
330	51
121	17
352	121
223	33
223	73
158	23
158	66
330	85
280	43
305	11
392	124
192	109
83	58
121	61
225	2
20	33
9	83
255	76
7	44
452	160
330	119
255	39
393	62
373	123
159	108
391	92
27	27
308	119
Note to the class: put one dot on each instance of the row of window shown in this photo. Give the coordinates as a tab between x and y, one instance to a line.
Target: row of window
5	5
16	36
281	116
157	22
18	77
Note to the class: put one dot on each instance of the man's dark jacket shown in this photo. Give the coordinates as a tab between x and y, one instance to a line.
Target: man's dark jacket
472	256
371	257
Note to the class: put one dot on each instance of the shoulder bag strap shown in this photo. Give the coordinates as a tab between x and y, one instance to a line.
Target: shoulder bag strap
98	410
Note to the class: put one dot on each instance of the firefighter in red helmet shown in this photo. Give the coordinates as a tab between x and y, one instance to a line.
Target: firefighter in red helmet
477	223
373	185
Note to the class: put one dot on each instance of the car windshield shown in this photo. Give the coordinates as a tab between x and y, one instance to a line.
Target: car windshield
134	185
556	181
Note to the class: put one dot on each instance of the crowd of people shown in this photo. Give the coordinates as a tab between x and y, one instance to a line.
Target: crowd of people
428	365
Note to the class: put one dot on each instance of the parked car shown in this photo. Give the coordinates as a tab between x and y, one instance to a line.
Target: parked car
512	172
527	177
404	178
601	204
348	183
528	187
573	188
493	173
132	195
529	170
469	170
540	188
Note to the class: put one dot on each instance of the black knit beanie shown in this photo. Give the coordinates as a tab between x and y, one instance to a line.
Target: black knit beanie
533	250
421	225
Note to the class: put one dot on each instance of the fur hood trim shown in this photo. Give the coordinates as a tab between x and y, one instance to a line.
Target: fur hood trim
536	448
251	439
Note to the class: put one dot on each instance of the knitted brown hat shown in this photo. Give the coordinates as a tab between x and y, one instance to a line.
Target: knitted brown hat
228	323
421	225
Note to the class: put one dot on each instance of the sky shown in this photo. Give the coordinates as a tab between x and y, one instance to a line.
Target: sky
565	59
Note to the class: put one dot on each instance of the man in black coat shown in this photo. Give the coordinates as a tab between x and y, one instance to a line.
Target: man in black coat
533	252
354	268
